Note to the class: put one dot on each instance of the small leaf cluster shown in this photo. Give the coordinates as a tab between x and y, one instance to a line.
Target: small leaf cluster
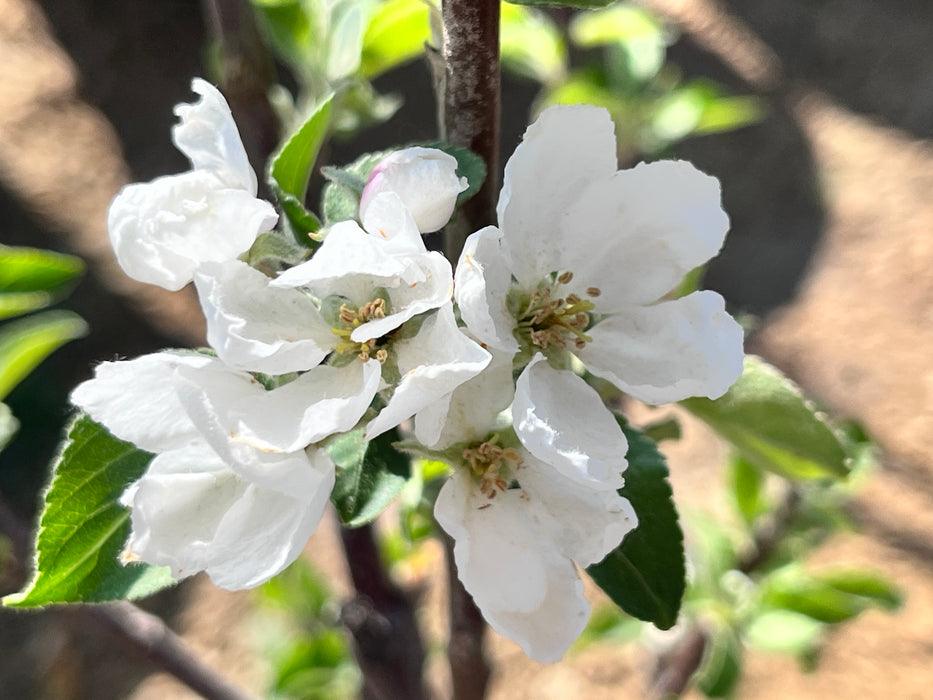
619	62
32	280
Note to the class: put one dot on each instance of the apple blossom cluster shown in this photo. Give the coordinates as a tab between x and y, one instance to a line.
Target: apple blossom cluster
375	331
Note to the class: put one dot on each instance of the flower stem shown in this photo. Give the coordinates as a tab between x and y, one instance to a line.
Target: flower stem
471	106
382	622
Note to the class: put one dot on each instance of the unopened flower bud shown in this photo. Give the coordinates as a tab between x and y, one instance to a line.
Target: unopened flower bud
426	181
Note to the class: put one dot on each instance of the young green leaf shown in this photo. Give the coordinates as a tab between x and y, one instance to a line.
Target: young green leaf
645	575
532	45
722	665
774	427
26	342
340	200
793	589
34	270
396	33
784	631
290	168
746	482
370	474
866	584
272	252
83	527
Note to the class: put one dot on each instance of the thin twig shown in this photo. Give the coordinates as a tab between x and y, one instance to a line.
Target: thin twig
471	106
381	620
150	636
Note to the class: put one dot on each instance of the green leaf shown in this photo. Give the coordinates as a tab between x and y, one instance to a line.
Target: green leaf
645	575
746	482
28	341
34	270
641	37
775	428
292	164
531	45
793	589
8	425
722	665
370	474
294	33
865	584
784	631
396	33
291	168
582	4
83	527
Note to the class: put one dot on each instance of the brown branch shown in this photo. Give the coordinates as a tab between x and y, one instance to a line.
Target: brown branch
471	106
381	620
149	636
469	667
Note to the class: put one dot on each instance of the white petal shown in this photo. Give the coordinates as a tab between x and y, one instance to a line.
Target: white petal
208	396
590	522
635	235
425	179
433	363
433	289
136	400
667	352
563	151
470	413
521	583
321	402
256	327
207	134
481	283
347	250
562	421
388	220
161	230
192	513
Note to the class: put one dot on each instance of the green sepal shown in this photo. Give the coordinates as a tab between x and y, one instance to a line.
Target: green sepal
645	575
370	474
26	342
766	417
83	527
340	200
274	251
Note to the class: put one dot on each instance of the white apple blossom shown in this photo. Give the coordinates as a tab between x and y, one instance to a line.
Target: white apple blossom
522	517
213	499
161	230
584	255
350	302
426	181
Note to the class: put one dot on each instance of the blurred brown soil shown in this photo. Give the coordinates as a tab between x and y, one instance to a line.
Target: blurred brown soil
832	216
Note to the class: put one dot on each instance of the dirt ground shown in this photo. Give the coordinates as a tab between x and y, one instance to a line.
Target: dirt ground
831	245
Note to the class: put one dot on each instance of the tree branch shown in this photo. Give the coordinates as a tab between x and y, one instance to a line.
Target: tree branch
469	667
149	636
382	623
471	106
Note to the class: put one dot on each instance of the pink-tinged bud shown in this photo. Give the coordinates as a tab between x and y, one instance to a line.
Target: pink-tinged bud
426	181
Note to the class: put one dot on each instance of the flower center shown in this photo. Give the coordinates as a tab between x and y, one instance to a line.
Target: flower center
548	319
349	318
488	462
